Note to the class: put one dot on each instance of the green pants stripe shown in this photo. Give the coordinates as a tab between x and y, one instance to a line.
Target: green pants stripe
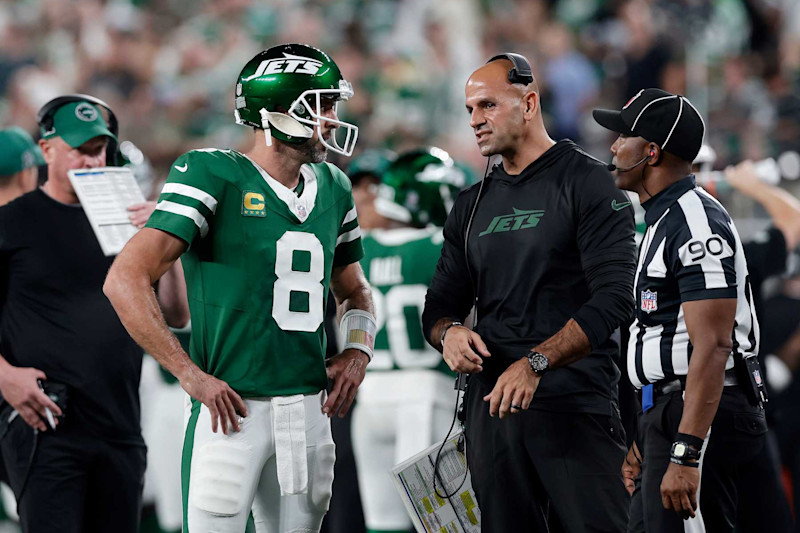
186	460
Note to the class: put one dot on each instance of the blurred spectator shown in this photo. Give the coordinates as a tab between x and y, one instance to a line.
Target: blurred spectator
646	56
571	81
167	64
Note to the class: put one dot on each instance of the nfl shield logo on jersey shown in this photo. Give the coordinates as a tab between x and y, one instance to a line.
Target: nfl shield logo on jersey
649	301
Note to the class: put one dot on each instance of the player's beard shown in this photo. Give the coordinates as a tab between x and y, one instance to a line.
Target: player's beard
313	151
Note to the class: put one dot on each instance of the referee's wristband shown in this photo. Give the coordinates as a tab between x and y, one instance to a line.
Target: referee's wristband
690	464
691	440
446	329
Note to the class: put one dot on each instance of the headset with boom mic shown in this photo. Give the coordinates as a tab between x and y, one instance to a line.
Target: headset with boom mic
612	167
45	119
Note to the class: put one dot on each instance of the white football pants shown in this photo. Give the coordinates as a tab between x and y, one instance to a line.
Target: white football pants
398	414
279	466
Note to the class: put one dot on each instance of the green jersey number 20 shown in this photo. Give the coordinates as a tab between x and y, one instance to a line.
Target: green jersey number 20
390	313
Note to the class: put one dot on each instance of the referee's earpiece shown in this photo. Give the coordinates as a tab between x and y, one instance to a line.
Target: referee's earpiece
653	156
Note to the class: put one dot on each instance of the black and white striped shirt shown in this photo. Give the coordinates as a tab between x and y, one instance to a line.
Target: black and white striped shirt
690	251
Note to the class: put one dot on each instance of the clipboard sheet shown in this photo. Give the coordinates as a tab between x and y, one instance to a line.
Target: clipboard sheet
430	513
105	195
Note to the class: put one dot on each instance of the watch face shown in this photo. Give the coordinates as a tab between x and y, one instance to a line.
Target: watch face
679	450
539	362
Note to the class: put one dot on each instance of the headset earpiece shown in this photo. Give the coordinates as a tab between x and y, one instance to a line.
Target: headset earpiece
521	72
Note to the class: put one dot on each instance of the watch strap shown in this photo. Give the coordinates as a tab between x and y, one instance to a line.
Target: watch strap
446	329
682	462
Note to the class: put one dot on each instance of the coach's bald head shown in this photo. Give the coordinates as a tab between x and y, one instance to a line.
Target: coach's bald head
505	116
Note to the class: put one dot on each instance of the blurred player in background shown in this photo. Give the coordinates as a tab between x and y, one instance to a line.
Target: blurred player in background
20	158
406	401
264	235
346	514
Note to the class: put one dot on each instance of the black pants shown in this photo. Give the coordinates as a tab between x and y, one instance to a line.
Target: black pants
77	483
739	486
540	471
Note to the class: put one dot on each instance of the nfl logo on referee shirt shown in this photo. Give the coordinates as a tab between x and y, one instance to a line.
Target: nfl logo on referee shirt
649	301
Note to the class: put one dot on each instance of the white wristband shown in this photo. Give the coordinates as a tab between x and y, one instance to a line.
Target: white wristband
358	329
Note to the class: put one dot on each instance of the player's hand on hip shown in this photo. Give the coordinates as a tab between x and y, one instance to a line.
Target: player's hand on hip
462	350
20	389
224	404
630	469
139	213
679	489
514	390
346	371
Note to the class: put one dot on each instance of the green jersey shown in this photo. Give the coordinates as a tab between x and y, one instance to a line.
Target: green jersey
258	266
399	264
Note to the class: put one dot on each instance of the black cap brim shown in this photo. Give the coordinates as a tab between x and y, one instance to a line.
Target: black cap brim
611	120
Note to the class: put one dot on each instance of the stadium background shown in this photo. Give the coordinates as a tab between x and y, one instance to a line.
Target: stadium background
168	68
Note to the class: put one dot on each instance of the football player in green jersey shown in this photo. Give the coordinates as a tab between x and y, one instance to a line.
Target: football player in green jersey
405	402
263	236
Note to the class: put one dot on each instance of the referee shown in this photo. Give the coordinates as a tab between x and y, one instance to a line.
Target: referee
694	326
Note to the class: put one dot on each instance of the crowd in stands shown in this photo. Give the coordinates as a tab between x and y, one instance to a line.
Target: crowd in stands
168	67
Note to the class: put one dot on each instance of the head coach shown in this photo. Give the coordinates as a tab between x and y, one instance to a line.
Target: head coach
543	248
693	343
69	372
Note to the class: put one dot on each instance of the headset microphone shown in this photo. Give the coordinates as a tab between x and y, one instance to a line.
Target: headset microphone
612	167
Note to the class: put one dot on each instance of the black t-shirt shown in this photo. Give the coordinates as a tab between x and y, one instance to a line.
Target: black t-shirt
56	318
553	243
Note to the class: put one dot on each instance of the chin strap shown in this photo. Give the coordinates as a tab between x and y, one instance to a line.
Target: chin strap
265	125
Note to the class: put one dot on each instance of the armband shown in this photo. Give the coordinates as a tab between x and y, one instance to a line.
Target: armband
358	329
691	440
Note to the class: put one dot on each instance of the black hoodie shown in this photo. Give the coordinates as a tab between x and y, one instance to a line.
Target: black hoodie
552	243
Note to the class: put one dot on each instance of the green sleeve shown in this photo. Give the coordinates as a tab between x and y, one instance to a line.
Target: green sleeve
188	200
348	244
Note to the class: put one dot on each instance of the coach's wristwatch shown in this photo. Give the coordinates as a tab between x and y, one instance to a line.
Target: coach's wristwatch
446	329
538	361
